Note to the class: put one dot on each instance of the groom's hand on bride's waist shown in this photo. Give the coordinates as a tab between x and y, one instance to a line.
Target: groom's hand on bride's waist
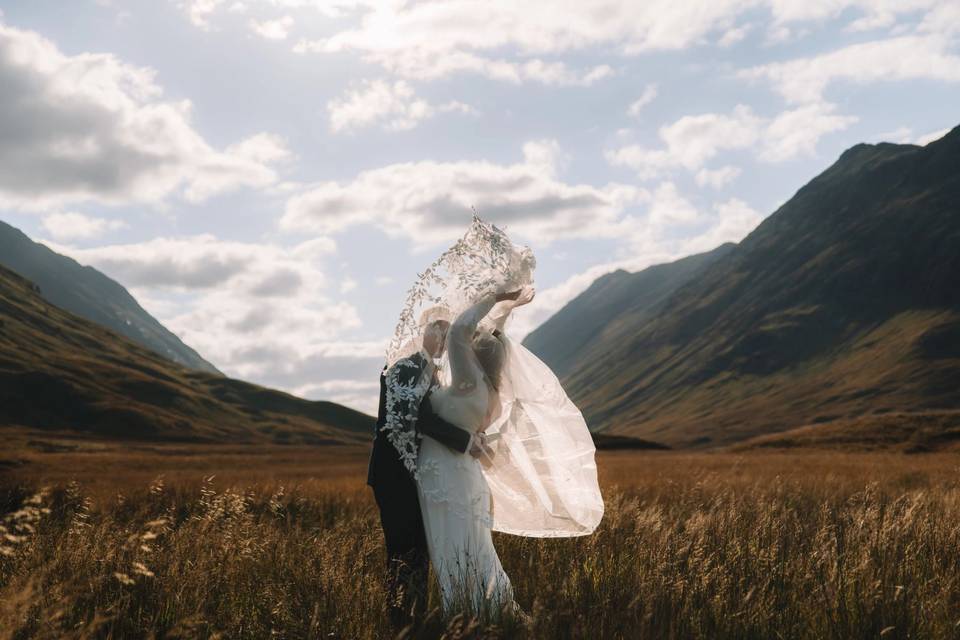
479	448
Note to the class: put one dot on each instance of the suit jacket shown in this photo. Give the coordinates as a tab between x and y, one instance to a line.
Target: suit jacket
385	463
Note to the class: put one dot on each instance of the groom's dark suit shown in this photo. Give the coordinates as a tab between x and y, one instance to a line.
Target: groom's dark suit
396	495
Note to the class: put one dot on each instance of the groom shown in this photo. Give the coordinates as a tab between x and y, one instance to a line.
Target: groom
408	383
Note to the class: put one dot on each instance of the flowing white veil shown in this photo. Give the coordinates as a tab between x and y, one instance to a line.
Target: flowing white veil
542	474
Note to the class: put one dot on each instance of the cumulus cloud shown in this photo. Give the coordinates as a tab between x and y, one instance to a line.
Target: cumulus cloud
691	141
206	262
797	131
429	40
89	127
430	202
71	225
804	80
392	104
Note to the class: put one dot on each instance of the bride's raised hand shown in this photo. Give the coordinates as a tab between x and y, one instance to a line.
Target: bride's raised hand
527	292
521	296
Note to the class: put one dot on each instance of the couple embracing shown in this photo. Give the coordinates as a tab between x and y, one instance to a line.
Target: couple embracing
474	435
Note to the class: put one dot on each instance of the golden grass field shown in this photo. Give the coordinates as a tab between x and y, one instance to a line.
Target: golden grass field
131	541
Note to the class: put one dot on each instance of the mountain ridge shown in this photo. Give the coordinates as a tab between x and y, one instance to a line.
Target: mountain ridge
87	292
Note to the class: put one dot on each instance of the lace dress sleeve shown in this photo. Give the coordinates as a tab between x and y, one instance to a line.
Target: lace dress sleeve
463	366
406	386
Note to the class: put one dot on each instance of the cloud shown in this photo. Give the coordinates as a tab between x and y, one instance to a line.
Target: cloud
730	221
429	202
797	131
431	65
347	285
431	40
457	26
943	19
734	35
394	105
804	80
926	139
669	207
90	128
717	178
71	225
648	96
692	141
520	42
200	11
204	262
866	12
277	29
359	394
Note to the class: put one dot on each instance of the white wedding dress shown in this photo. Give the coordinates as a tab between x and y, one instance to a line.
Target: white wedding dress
454	496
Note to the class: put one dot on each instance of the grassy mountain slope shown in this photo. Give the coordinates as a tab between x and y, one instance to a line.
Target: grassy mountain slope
844	302
618	298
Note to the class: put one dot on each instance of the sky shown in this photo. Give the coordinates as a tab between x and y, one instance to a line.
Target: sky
268	177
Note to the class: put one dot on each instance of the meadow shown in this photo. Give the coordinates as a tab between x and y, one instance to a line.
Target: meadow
180	541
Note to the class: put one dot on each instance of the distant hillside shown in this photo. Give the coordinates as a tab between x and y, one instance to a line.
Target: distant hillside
911	432
615	300
843	303
91	295
60	371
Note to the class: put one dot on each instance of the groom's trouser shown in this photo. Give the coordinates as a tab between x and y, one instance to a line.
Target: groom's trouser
407	557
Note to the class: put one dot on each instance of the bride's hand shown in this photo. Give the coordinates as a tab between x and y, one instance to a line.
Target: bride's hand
508	295
526	295
481	450
521	296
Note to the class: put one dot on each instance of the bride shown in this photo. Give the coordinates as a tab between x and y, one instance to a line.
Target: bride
533	471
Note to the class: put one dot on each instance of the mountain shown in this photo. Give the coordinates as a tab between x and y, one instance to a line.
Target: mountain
91	295
844	302
616	299
59	371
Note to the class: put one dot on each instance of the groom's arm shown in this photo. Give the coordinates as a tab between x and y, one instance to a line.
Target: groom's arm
403	394
430	424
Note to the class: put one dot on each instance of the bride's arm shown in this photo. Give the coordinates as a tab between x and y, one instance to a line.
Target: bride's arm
460	340
497	317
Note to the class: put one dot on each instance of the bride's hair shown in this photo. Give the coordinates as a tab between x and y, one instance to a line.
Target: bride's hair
490	353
